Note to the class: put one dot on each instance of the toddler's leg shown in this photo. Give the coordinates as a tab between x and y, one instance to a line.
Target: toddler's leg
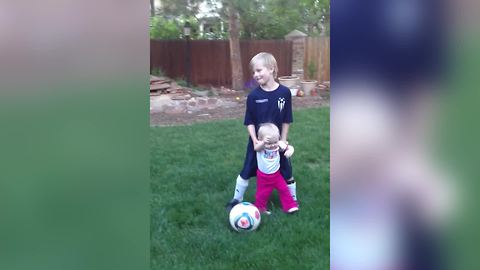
262	195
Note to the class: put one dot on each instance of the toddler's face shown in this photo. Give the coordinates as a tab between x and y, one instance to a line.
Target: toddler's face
271	143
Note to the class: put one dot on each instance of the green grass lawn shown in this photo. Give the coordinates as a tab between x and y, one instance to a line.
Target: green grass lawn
193	172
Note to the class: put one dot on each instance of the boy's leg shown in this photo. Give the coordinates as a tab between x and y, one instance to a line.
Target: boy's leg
292	188
286	171
240	188
249	169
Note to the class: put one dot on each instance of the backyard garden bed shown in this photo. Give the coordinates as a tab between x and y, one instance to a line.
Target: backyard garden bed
227	107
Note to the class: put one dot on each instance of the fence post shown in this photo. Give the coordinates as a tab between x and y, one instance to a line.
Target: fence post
186	32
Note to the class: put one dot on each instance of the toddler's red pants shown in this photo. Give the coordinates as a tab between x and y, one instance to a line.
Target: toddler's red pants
266	183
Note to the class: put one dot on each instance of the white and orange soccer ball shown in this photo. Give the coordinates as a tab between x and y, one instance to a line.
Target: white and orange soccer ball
245	217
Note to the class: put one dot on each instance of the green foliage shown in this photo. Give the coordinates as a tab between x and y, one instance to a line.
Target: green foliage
179	8
158	72
273	19
193	175
311	69
259	19
216	33
181	82
315	15
162	28
176	13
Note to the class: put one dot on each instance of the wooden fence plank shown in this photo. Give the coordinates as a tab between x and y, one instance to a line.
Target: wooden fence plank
210	59
317	51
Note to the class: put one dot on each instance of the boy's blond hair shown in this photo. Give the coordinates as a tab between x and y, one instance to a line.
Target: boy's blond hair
268	129
267	60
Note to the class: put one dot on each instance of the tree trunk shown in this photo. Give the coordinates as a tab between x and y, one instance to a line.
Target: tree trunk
152	8
235	55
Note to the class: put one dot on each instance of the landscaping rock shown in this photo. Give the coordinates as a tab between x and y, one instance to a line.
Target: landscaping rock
202	101
181	97
212	101
175	110
200	93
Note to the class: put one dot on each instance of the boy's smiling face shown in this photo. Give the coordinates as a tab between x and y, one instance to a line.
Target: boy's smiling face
262	74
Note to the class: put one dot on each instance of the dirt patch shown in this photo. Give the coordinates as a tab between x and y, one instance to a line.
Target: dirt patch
234	110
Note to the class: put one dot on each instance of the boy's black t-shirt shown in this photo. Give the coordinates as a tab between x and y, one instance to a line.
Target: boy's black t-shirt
269	107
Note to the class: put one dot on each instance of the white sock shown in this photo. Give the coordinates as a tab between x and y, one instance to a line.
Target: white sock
240	188
293	190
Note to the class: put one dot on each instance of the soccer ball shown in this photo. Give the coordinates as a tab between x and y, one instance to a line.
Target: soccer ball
245	217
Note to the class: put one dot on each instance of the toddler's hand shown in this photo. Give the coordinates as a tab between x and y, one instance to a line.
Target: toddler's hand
267	139
289	151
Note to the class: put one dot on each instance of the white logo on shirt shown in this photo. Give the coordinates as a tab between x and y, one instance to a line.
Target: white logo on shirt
261	100
281	103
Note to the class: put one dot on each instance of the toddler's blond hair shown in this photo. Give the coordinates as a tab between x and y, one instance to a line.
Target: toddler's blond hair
268	129
267	60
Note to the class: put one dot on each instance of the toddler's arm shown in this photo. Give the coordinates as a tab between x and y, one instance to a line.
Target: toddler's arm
259	146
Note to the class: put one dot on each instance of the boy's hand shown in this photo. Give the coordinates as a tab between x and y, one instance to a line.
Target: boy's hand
283	145
289	152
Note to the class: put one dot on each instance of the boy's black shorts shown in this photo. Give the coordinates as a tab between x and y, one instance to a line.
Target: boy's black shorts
250	164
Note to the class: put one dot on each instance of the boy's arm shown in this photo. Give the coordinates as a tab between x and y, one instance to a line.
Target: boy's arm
252	133
287	118
283	138
284	135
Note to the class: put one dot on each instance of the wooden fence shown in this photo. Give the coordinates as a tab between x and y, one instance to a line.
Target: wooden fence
210	59
317	51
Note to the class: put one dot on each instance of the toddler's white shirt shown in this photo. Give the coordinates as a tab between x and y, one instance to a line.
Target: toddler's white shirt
268	161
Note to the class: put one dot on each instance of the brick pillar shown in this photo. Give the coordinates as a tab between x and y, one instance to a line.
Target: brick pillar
298	51
297	56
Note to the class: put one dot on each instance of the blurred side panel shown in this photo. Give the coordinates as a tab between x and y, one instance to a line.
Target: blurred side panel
403	134
74	163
